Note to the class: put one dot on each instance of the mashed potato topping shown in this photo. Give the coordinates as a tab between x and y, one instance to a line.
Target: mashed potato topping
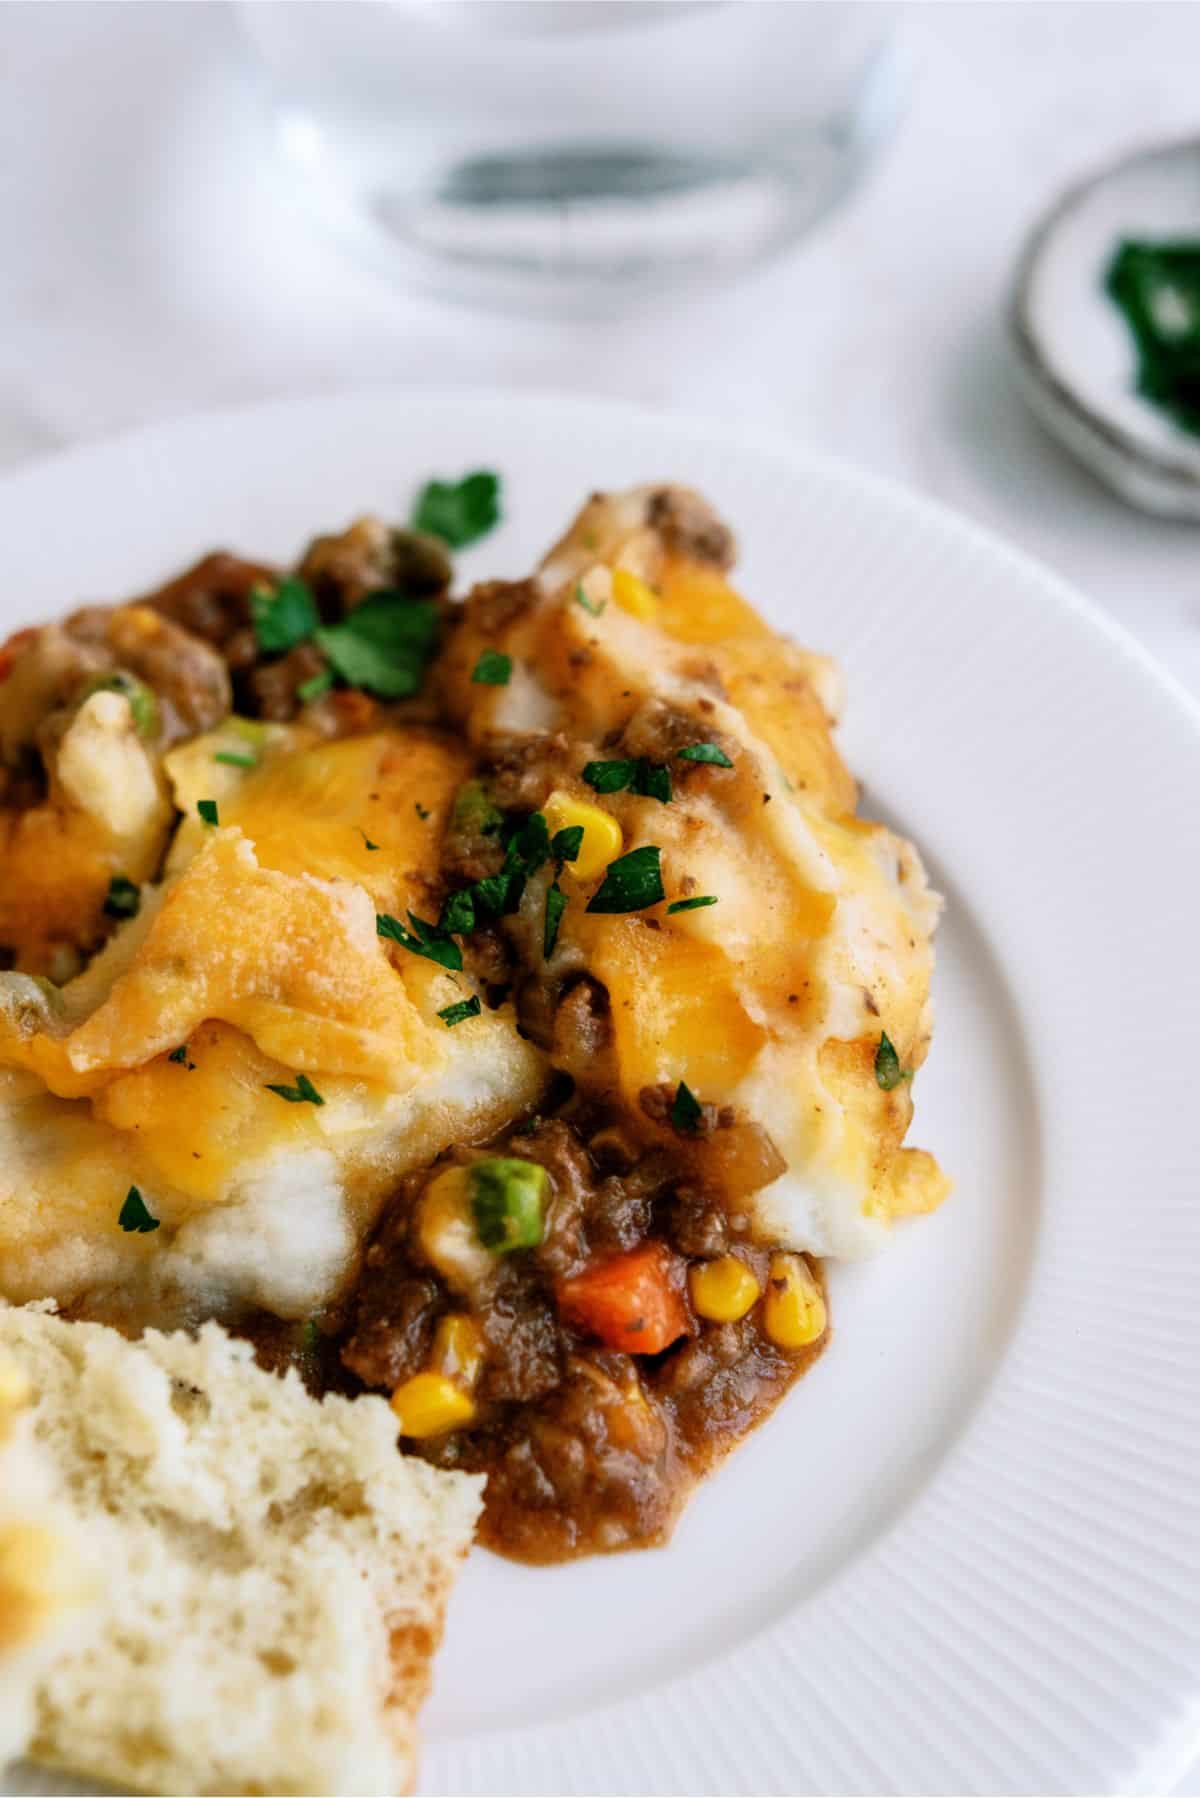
266	962
774	1000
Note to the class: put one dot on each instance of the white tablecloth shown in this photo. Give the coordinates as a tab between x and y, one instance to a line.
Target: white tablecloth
151	263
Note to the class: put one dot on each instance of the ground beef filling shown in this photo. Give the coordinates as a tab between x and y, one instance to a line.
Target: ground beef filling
213	600
587	1448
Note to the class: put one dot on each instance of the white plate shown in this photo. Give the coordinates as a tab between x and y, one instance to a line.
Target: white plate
965	1554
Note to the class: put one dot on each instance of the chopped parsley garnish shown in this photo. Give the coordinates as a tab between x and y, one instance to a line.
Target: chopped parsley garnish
566	843
207	809
455	1014
493	669
424	939
705	752
1157	288
383	645
497	894
527	849
366	839
609	777
124	897
692	904
556	905
888	1072
653	781
458	913
459	512
595	607
134	1216
631	883
303	1093
308	690
180	1055
685	1113
285	617
649	779
233	758
529	846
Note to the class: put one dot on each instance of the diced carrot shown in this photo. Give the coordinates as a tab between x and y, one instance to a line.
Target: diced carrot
632	1302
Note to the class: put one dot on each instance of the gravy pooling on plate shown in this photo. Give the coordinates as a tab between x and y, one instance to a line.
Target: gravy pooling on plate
499	1004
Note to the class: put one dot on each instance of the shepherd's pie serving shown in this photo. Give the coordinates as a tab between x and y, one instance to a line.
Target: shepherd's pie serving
498	1004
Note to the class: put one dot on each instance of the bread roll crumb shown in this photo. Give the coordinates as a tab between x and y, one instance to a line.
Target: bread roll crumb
43	1586
278	1572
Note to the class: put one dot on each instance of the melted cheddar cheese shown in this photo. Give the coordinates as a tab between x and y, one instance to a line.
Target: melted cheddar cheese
774	1000
260	958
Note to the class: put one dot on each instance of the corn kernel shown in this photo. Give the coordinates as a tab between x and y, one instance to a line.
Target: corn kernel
602	835
430	1404
634	596
723	1290
794	1312
458	1349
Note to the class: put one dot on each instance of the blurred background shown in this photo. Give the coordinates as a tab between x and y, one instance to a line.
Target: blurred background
203	204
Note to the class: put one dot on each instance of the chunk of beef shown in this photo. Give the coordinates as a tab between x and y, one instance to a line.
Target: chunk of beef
699	1226
719	1386
657	1103
658	731
343	567
272	689
45	671
188	677
582	1038
471	847
53	669
589	1468
689	527
394	1316
622	1207
493	605
614	1149
524	1344
486	955
212	598
524	767
535	1009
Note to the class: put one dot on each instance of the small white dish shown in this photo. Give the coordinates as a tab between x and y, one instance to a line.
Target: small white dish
964	1555
1075	357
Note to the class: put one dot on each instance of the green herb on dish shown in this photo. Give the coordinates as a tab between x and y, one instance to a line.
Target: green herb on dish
1156	286
459	512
